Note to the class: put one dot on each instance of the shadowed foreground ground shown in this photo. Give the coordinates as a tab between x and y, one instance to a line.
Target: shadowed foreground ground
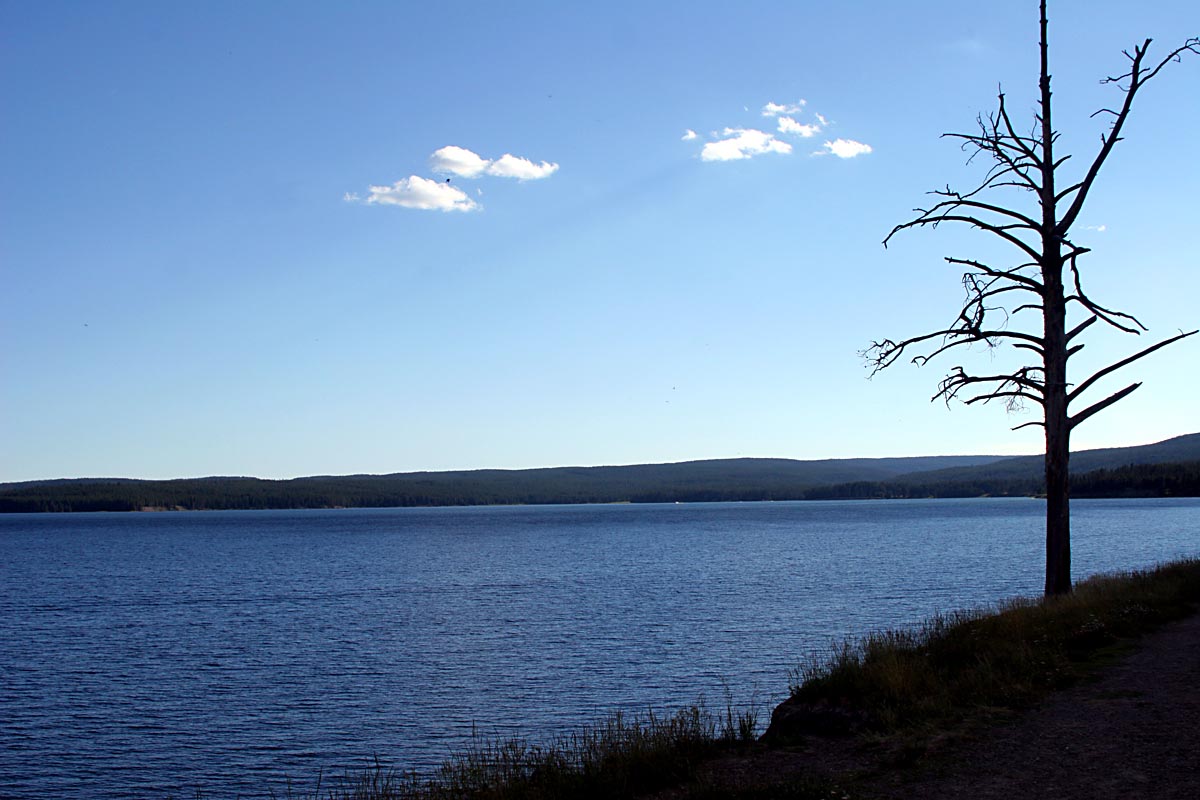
1134	732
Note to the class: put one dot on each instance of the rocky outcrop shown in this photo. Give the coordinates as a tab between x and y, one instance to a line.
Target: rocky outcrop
794	719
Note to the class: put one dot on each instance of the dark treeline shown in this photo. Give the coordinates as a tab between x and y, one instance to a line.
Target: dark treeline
1132	480
558	486
723	479
1141	480
1023	468
216	494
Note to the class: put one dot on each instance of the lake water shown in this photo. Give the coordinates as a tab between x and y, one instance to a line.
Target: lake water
143	655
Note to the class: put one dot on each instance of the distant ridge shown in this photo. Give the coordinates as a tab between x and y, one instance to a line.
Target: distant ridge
1166	468
1179	449
692	481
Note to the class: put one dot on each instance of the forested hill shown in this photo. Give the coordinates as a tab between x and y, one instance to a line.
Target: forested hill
1169	468
1179	449
726	479
695	481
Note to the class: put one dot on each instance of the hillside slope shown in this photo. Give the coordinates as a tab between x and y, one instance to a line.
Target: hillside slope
693	481
1178	449
725	479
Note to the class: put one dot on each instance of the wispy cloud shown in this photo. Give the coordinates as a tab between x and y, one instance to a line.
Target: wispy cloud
424	193
740	143
789	125
417	192
510	166
465	163
1096	228
775	109
844	148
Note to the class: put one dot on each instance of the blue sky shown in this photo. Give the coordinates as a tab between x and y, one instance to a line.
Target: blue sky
229	245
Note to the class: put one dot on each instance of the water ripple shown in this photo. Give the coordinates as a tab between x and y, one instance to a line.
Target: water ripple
152	654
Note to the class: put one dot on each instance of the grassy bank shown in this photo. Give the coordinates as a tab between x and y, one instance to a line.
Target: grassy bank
622	757
898	684
1004	657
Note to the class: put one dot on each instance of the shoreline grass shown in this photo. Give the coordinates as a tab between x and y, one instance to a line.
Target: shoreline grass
625	756
1006	656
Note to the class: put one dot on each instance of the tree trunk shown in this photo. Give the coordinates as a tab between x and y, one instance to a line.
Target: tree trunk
1058	429
1027	161
1058	501
1054	354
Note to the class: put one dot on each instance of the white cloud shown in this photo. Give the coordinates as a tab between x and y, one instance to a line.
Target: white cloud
467	164
424	193
735	144
1096	228
510	166
417	192
742	143
845	148
775	109
458	161
789	125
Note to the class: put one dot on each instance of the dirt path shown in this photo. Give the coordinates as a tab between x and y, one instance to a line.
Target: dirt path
1133	733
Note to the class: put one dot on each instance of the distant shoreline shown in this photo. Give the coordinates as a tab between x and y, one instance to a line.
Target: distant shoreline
1128	472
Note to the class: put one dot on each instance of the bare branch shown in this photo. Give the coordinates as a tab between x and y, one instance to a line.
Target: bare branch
1024	384
1192	45
1081	327
1067	191
1013	274
1103	313
1002	153
1103	404
1137	76
1028	150
882	354
1000	231
1111	368
963	201
1022	377
994	395
1107	315
959	338
996	296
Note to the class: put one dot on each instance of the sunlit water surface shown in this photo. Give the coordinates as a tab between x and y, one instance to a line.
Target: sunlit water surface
143	655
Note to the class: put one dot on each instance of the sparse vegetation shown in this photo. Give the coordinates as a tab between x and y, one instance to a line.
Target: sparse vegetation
961	663
622	757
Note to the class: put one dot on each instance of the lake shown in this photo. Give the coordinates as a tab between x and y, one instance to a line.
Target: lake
144	655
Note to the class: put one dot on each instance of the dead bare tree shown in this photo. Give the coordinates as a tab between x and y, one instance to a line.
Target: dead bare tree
1046	279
